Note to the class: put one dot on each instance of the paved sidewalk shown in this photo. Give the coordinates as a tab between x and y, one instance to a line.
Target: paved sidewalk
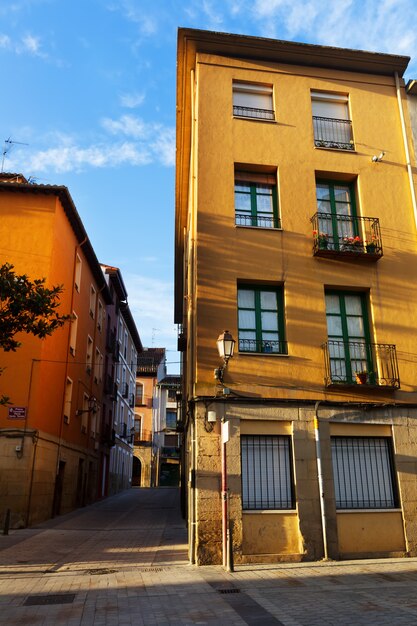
124	561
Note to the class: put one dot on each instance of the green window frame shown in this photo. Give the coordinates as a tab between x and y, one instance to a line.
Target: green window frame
261	319
337	215
349	339
256	200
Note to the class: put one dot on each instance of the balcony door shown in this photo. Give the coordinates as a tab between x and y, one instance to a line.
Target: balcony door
348	336
336	212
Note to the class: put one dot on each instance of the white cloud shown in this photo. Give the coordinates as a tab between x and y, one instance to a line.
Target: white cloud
5	41
132	100
126	125
132	142
68	158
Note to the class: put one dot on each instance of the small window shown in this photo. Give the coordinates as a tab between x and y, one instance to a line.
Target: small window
256	200
68	400
100	316
363	472
331	121
266	472
93	297
78	265
139	394
89	355
84	413
252	100
261	320
171	420
73	333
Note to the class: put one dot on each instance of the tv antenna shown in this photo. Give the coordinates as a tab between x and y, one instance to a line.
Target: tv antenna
154	330
8	145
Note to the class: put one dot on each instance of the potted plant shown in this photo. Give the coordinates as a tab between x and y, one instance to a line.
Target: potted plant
352	244
361	377
322	239
371	246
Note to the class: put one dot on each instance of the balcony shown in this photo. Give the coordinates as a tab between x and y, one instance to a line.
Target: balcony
365	365
170	452
143	439
263	346
125	390
346	236
333	133
252	112
258	221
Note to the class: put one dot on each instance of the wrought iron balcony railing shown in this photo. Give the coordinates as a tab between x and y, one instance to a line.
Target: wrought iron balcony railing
333	133
261	221
346	235
262	114
264	346
361	363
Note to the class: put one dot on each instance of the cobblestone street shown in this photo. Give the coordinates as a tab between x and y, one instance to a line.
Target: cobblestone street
124	561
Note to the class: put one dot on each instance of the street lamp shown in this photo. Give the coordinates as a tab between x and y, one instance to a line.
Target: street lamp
225	347
92	406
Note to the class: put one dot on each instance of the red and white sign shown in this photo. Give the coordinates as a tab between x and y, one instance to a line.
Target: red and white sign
17	413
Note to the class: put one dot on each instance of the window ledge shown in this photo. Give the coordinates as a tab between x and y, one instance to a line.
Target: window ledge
268	511
279	228
263	354
336	150
254	119
396	510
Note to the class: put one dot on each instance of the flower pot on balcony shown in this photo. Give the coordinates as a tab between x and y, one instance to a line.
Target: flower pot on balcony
323	244
371	248
361	378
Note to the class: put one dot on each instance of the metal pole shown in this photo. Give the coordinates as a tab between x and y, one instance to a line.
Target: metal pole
224	503
321	486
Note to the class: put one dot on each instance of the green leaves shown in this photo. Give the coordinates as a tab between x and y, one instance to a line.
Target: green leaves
26	306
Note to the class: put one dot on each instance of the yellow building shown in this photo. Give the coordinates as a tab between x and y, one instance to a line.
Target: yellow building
54	454
296	231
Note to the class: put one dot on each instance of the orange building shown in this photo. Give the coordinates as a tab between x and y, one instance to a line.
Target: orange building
52	458
150	368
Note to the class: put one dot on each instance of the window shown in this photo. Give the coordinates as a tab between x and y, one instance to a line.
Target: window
98	367
261	320
171	419
73	333
67	400
93	297
331	121
139	394
256	199
337	216
253	100
100	315
348	334
138	427
78	265
363	472
266	472
89	355
84	413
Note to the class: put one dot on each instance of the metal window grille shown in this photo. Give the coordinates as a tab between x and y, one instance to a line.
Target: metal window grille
266	472
363	473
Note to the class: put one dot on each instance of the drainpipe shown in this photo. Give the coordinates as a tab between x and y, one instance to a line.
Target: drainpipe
406	150
190	315
320	479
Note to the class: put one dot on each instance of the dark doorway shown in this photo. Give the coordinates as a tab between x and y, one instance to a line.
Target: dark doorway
136	472
170	475
59	484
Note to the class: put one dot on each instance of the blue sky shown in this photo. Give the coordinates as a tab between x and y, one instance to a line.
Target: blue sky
89	85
